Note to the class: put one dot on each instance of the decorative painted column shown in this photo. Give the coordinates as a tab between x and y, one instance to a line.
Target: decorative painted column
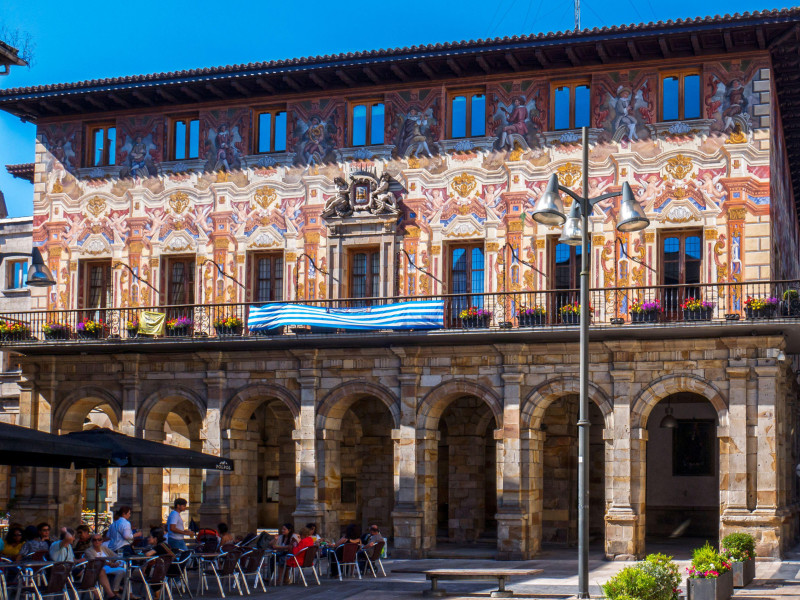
305	437
733	451
624	521
407	517
512	528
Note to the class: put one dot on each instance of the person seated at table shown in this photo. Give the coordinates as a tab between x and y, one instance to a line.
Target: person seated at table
352	535
39	543
158	543
61	551
113	568
120	534
13	543
312	531
225	536
369	540
83	538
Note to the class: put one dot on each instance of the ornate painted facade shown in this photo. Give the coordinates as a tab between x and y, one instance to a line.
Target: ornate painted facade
351	432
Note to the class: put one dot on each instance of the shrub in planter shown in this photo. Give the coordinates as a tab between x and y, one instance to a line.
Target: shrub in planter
710	576
644	312
132	327
654	578
528	317
473	317
740	549
790	306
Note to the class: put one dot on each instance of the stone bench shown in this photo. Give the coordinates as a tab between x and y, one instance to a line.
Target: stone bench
502	575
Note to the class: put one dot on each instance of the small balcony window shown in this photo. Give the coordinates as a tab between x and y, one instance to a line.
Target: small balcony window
16	274
367	123
680	96
271	131
185	134
467	114
571	106
103	146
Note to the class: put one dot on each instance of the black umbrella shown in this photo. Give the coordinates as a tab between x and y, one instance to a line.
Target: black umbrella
25	447
127	451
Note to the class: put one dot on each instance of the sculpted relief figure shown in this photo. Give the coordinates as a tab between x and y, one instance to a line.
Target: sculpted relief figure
340	203
382	199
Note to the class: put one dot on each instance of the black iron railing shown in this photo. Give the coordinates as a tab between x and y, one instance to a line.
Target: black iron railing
647	305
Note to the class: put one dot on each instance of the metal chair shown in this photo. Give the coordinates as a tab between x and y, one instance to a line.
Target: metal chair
252	563
57	581
373	557
305	559
225	567
153	574
349	554
177	576
89	583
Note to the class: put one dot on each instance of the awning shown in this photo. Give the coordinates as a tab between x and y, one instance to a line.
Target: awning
25	447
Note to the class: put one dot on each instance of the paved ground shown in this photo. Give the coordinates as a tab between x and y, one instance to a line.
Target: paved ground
778	580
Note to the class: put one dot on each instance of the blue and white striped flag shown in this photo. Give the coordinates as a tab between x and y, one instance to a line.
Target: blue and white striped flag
426	314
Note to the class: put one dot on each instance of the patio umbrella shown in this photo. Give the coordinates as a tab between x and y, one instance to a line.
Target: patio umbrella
127	451
25	447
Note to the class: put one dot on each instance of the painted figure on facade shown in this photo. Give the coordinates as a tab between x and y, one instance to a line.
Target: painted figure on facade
415	133
515	122
137	161
518	116
623	111
317	139
224	154
729	104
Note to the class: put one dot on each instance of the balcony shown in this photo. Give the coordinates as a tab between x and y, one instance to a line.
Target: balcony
504	317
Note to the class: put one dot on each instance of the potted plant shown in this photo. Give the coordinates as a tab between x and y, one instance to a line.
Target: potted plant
760	308
740	549
697	310
571	313
13	331
91	330
644	312
182	326
654	578
791	303
528	317
132	327
473	317
56	331
710	576
228	326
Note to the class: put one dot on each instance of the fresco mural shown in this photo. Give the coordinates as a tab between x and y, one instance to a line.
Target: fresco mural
225	134
518	114
140	146
730	97
317	131
624	105
414	122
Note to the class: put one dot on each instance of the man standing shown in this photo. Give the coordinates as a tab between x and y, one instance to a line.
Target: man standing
175	527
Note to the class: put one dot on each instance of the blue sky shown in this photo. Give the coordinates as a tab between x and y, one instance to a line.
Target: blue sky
89	39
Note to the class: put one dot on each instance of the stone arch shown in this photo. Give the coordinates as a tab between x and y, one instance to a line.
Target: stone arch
248	398
543	395
71	410
334	406
667	385
436	401
155	408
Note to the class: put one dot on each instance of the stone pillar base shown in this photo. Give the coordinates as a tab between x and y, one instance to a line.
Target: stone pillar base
407	525
308	514
212	514
512	541
766	525
624	535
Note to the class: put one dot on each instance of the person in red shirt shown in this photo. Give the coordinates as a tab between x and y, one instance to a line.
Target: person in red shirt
298	554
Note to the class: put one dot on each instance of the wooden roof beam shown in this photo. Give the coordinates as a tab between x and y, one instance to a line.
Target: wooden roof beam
95	102
541	58
346	79
696	45
726	37
633	50
216	91
762	42
191	93
454	67
167	96
51	107
483	64
783	37
318	80
573	58
72	104
401	75
119	100
264	85
601	52
425	68
141	97
371	74
665	51
240	88
512	61
292	83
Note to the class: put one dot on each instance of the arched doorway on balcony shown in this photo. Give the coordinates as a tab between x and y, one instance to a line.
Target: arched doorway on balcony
682	495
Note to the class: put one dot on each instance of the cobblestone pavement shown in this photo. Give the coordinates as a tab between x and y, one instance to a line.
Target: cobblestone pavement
778	580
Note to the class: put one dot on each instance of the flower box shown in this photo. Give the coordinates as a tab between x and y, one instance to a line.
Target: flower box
760	313
698	314
479	322
710	588
132	333
223	331
571	318
93	335
57	334
16	336
790	307
532	320
744	571
181	331
645	316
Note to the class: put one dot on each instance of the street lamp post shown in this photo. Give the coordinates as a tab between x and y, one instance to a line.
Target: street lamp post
549	210
38	275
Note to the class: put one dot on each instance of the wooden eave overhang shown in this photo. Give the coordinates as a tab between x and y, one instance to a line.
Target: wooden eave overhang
22	171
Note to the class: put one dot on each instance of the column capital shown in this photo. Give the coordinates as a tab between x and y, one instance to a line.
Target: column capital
512	376
738	372
408	378
307	381
767	371
622	374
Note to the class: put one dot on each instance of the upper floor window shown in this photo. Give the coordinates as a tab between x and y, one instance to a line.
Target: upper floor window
185	142
467	114
680	96
95	284
102	145
267	278
271	131
16	274
365	273
180	280
367	123
571	105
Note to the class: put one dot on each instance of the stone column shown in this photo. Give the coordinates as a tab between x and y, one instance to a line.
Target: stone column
512	528
733	451
329	460
216	508
305	437
532	441
624	476
151	489
407	516
427	486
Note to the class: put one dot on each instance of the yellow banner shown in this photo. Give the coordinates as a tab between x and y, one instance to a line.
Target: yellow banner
152	323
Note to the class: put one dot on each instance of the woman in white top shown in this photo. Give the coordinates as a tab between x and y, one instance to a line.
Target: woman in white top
111	568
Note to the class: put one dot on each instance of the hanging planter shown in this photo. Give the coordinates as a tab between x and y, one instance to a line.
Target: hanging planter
760	308
475	318
180	327
645	312
531	317
56	331
697	310
228	326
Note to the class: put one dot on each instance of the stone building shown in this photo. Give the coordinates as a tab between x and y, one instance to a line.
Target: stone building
357	180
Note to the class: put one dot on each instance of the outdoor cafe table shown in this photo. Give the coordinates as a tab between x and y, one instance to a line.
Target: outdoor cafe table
24	572
205	559
130	564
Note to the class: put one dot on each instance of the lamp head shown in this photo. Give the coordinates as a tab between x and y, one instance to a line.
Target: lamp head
549	210
38	273
631	215
571	234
